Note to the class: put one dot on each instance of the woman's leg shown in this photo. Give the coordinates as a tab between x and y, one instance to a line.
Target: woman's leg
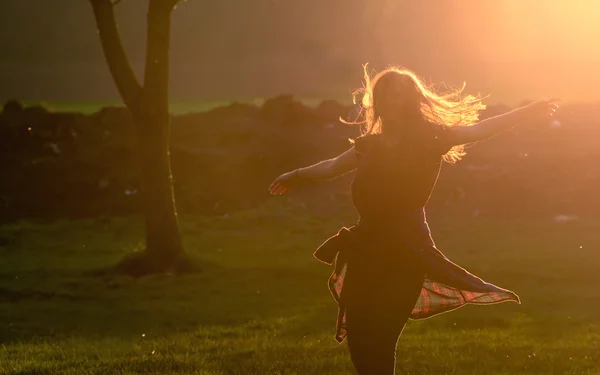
378	305
372	341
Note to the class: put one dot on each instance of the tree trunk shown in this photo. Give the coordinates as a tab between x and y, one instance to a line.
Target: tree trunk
163	243
149	106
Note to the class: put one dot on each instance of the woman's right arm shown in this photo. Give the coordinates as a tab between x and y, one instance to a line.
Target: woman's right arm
323	170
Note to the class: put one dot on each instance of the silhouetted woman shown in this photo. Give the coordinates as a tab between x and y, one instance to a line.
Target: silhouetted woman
387	268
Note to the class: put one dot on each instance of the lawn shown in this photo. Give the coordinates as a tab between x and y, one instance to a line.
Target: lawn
178	107
261	305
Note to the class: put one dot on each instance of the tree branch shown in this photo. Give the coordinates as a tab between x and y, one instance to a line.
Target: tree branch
114	52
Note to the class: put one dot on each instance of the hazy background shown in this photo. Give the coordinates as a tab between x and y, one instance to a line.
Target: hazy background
513	49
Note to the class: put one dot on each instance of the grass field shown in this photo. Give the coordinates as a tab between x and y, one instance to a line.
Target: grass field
261	305
178	107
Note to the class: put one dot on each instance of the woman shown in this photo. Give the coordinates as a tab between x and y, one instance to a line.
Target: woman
387	268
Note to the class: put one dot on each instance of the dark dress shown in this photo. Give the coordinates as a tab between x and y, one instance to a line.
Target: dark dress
387	268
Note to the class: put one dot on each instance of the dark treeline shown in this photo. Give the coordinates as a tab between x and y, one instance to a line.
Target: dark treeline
55	165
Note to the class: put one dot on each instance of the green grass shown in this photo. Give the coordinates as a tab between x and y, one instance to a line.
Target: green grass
178	107
261	305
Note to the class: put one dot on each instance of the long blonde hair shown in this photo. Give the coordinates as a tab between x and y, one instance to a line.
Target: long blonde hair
449	108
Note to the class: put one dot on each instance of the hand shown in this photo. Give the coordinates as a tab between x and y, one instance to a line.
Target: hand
541	109
284	182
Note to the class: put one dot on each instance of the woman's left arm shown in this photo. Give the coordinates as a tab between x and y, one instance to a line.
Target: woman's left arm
538	110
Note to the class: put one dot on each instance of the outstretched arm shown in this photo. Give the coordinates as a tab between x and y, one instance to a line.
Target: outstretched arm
323	170
495	125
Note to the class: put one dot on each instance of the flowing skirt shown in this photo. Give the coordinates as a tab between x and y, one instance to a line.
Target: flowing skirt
446	285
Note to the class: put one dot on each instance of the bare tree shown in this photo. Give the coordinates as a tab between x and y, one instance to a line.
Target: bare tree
149	106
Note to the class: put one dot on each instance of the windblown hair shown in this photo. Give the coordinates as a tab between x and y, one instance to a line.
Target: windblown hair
447	109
